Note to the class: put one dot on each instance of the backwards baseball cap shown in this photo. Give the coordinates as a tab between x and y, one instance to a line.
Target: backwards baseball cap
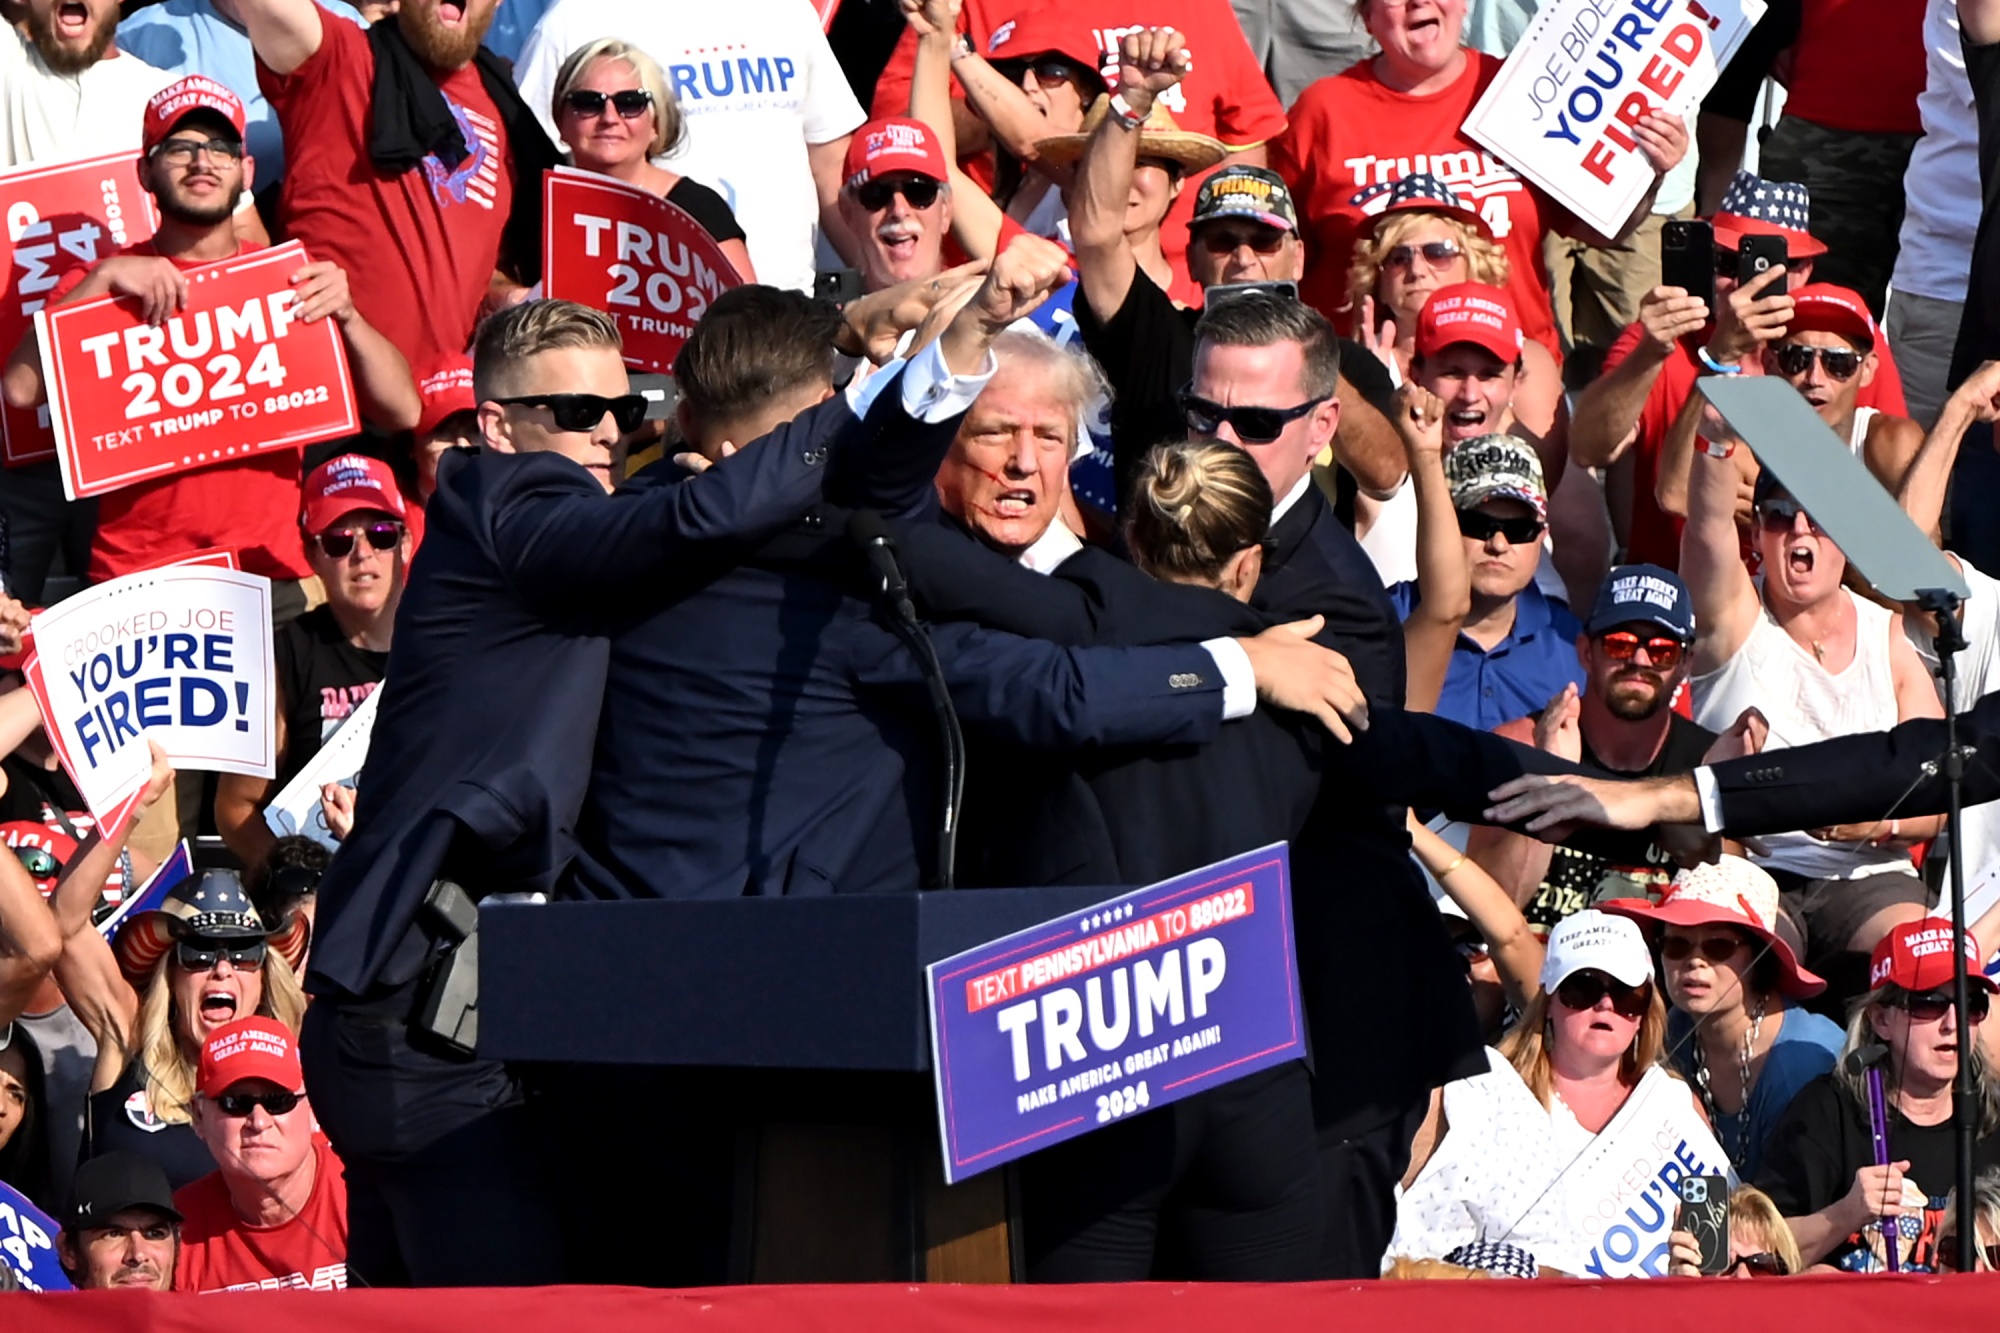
1643	594
342	485
108	1184
1917	957
1596	940
1257	193
1470	312
1753	206
1826	308
249	1048
1495	467
193	95
893	143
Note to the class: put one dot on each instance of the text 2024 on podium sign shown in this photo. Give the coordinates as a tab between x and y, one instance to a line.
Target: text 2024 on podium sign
633	255
1142	1000
59	216
233	374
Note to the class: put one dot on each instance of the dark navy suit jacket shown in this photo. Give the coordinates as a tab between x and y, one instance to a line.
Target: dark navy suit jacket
490	702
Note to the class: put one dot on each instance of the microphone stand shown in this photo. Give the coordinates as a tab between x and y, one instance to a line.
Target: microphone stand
868	531
1943	606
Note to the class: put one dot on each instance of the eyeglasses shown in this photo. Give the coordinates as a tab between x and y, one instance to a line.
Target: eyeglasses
1781	511
1949	1257
1253	425
1796	359
1623	645
1048	69
339	543
1582	990
921	191
1715	948
39	862
582	411
1226	240
630	103
181	152
240	1104
1931	1005
203	955
1437	254
1761	1264
1471	949
1482	527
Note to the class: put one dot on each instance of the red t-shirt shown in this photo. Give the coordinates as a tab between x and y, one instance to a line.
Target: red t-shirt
220	1252
419	247
1655	536
1225	95
247	505
1351	131
1859	65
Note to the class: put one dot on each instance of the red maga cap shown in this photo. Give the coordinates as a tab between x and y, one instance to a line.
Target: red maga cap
446	391
177	101
1830	309
1917	956
342	485
894	143
249	1048
1470	312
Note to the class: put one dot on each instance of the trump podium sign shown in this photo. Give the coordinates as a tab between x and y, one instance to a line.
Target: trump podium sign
233	374
1137	1002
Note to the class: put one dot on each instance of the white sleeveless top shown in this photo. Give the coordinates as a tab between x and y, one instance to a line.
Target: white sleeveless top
1805	702
1863	418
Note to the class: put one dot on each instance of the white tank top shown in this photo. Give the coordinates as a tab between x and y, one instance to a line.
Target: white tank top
1805	702
1858	437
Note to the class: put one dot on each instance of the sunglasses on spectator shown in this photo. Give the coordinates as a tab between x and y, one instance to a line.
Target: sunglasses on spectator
1436	253
629	103
1796	359
338	544
1471	948
1949	1257
1761	1264
1623	645
240	1104
1253	425
1715	948
1931	1005
203	955
921	191
1482	527
1225	240
1048	69
1581	991
181	152
582	411
1781	511
40	862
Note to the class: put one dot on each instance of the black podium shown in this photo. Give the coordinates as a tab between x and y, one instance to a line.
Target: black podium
796	1031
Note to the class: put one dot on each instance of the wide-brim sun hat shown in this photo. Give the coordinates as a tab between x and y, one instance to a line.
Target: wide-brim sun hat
1160	136
1728	892
209	905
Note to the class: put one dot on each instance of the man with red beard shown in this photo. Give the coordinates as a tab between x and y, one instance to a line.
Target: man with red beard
412	162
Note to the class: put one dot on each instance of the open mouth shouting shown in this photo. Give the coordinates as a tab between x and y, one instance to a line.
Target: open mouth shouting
219	1004
73	21
1800	557
451	14
898	238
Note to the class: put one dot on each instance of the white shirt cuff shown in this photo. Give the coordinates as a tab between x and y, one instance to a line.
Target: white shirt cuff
1711	799
1239	681
931	393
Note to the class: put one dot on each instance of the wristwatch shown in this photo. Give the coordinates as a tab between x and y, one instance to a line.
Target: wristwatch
1121	111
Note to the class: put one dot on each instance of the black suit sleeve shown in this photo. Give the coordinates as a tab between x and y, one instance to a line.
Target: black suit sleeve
1433	763
1891	774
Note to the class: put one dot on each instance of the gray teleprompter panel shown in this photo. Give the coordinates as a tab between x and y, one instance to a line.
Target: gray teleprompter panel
1846	501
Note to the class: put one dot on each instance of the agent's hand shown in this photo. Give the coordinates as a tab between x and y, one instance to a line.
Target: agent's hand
1294	672
1549	806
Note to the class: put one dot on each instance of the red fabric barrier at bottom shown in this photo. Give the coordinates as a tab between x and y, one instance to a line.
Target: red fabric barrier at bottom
1823	1304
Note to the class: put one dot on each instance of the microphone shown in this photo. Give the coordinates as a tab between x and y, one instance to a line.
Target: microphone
866	529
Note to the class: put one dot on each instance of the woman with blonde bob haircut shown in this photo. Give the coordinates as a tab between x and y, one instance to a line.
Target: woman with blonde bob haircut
615	114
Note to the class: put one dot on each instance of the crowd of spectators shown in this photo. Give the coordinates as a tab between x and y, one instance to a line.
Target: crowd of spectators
1272	462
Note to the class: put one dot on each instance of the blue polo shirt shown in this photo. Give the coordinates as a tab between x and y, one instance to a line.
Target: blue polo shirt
1522	672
